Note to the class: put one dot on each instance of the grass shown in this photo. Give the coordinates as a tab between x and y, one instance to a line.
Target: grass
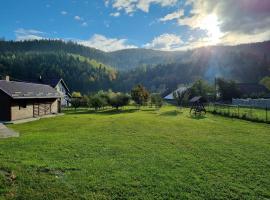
248	113
134	154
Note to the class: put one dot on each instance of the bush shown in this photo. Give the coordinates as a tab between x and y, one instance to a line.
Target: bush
75	102
156	100
140	95
96	102
117	100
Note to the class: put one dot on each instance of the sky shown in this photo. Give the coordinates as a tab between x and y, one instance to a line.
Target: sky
111	25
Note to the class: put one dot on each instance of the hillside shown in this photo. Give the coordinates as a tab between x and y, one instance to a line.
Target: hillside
81	74
158	70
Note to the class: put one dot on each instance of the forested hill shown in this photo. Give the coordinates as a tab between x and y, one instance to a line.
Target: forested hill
132	58
80	73
122	60
55	46
88	69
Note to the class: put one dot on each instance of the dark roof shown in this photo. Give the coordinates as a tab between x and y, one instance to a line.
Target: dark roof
251	88
53	82
23	90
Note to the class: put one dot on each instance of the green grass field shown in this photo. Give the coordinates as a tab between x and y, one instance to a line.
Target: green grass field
133	154
249	113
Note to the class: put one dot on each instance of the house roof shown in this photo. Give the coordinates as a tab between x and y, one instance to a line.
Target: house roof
195	99
54	82
180	89
23	90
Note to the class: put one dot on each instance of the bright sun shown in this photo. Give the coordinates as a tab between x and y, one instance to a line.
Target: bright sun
211	25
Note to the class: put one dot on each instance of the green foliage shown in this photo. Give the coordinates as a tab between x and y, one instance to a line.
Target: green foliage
203	89
76	94
79	75
266	82
140	95
75	103
156	100
96	101
182	97
89	70
117	100
227	90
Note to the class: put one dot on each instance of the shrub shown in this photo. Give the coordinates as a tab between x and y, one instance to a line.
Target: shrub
140	95
96	102
156	100
117	100
75	102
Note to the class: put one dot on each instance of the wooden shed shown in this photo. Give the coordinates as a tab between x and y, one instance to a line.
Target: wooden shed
21	100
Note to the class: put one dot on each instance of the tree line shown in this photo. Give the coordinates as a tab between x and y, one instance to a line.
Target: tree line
139	95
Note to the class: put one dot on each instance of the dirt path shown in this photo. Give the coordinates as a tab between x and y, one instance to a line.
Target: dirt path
6	132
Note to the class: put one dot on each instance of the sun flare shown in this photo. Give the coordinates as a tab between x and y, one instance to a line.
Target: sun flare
211	25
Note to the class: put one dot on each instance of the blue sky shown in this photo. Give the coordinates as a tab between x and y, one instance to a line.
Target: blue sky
118	24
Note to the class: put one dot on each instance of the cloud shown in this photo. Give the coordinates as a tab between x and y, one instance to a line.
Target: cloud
106	44
175	15
228	21
64	12
78	18
84	24
116	14
130	6
29	34
165	42
106	2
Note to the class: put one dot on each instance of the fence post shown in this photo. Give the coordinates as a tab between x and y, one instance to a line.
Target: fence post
238	111
266	114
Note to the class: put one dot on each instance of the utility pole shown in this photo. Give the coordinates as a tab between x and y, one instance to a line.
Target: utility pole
215	89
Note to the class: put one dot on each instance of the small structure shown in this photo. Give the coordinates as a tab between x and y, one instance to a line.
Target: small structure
197	106
60	85
20	100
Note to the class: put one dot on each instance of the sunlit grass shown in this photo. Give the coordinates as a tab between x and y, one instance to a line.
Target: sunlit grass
136	154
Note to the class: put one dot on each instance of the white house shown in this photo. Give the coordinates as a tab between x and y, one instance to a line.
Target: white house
61	87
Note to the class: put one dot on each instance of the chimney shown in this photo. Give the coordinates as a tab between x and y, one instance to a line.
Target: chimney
7	78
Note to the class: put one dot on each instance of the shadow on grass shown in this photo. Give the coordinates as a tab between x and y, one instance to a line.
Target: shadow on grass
104	112
197	117
171	113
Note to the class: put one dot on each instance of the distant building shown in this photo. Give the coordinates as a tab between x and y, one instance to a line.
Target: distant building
170	97
60	85
252	89
21	100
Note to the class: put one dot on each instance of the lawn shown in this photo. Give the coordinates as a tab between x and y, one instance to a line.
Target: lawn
249	113
134	154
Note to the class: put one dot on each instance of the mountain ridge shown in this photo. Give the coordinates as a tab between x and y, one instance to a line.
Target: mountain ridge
121	70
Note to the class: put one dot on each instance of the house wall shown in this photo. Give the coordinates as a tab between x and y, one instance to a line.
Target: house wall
54	107
4	107
34	108
62	90
18	112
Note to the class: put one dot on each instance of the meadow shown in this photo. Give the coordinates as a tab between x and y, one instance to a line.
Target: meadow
136	154
241	112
